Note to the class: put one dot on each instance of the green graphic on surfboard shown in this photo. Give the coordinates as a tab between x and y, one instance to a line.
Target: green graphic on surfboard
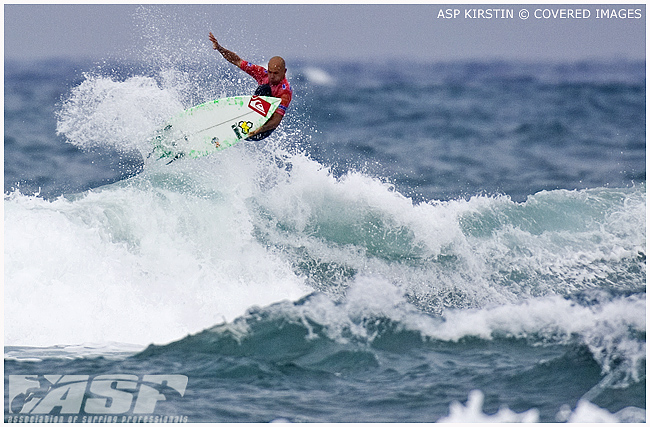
213	126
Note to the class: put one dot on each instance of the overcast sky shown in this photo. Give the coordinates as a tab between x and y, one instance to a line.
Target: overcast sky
323	31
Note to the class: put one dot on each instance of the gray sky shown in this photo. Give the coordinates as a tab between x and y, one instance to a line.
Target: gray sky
325	31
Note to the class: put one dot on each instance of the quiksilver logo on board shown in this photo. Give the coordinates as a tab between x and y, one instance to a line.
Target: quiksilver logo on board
259	105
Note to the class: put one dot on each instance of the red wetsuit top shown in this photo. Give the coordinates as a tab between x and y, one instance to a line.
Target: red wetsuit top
281	90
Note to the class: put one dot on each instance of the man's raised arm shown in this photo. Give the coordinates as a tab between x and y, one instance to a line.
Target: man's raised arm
231	57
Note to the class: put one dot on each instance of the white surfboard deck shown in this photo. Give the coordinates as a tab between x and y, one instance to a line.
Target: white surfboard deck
212	126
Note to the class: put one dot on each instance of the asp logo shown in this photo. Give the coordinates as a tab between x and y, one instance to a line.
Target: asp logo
259	105
101	394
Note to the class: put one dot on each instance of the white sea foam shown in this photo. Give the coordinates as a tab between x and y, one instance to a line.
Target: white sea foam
584	412
318	76
472	412
103	112
130	265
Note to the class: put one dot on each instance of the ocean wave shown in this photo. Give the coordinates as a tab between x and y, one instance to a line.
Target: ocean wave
254	227
375	320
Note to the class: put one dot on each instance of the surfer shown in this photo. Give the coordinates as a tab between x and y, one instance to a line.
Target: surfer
271	81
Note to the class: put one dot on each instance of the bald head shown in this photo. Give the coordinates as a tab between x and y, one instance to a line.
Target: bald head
277	70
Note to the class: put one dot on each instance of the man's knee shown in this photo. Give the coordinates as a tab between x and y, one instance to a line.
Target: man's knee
263	90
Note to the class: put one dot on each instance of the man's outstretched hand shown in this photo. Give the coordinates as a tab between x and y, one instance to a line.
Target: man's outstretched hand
231	57
215	43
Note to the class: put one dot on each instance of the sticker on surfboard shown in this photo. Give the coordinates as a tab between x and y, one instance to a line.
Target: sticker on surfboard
259	105
242	128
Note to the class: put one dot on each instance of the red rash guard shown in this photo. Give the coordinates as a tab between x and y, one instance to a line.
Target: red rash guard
281	90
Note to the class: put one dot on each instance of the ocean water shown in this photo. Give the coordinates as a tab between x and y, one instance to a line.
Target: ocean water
433	242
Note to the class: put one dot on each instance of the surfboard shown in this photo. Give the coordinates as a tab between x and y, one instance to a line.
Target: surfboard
212	126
